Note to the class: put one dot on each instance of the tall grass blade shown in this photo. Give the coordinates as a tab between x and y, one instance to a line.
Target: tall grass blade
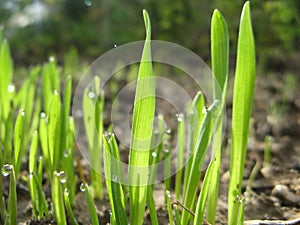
11	216
18	137
91	205
142	124
220	62
57	199
242	107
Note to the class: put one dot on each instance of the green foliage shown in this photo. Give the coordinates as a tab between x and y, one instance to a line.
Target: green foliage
242	107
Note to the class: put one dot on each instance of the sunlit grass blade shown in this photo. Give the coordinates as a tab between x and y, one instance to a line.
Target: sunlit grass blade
180	154
142	124
57	199
113	178
242	107
220	63
6	73
198	159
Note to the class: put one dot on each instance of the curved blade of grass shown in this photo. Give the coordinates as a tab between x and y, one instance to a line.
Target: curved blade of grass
142	124
242	107
112	174
57	199
200	150
169	207
220	61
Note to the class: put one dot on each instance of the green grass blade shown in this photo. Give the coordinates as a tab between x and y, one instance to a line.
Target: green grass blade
11	218
113	176
142	124
54	128
180	154
91	205
206	185
57	199
151	206
18	136
169	207
69	208
220	62
32	169
6	73
198	159
242	107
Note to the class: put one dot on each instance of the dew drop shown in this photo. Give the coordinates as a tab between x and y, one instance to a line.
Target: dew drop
11	88
43	115
115	46
55	92
22	112
88	3
51	59
166	151
115	178
66	191
91	95
6	169
168	131
82	187
30	175
154	154
63	177
109	137
67	152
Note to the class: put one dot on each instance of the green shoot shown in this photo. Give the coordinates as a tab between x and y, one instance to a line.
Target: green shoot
18	137
242	107
91	205
142	124
220	59
57	198
68	207
267	151
169	207
113	176
151	206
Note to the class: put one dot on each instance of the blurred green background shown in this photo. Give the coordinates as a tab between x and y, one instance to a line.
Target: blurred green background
39	28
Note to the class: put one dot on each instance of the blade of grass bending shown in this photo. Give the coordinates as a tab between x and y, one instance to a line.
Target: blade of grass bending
142	124
57	199
196	167
206	185
11	216
68	207
32	169
151	206
180	157
91	205
2	200
220	61
113	178
169	207
242	107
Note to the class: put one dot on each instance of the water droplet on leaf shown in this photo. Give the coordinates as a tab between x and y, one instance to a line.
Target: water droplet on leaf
115	178
63	177
154	154
82	187
11	88
91	95
88	3
6	169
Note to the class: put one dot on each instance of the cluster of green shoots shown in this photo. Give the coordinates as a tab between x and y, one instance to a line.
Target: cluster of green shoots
44	128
